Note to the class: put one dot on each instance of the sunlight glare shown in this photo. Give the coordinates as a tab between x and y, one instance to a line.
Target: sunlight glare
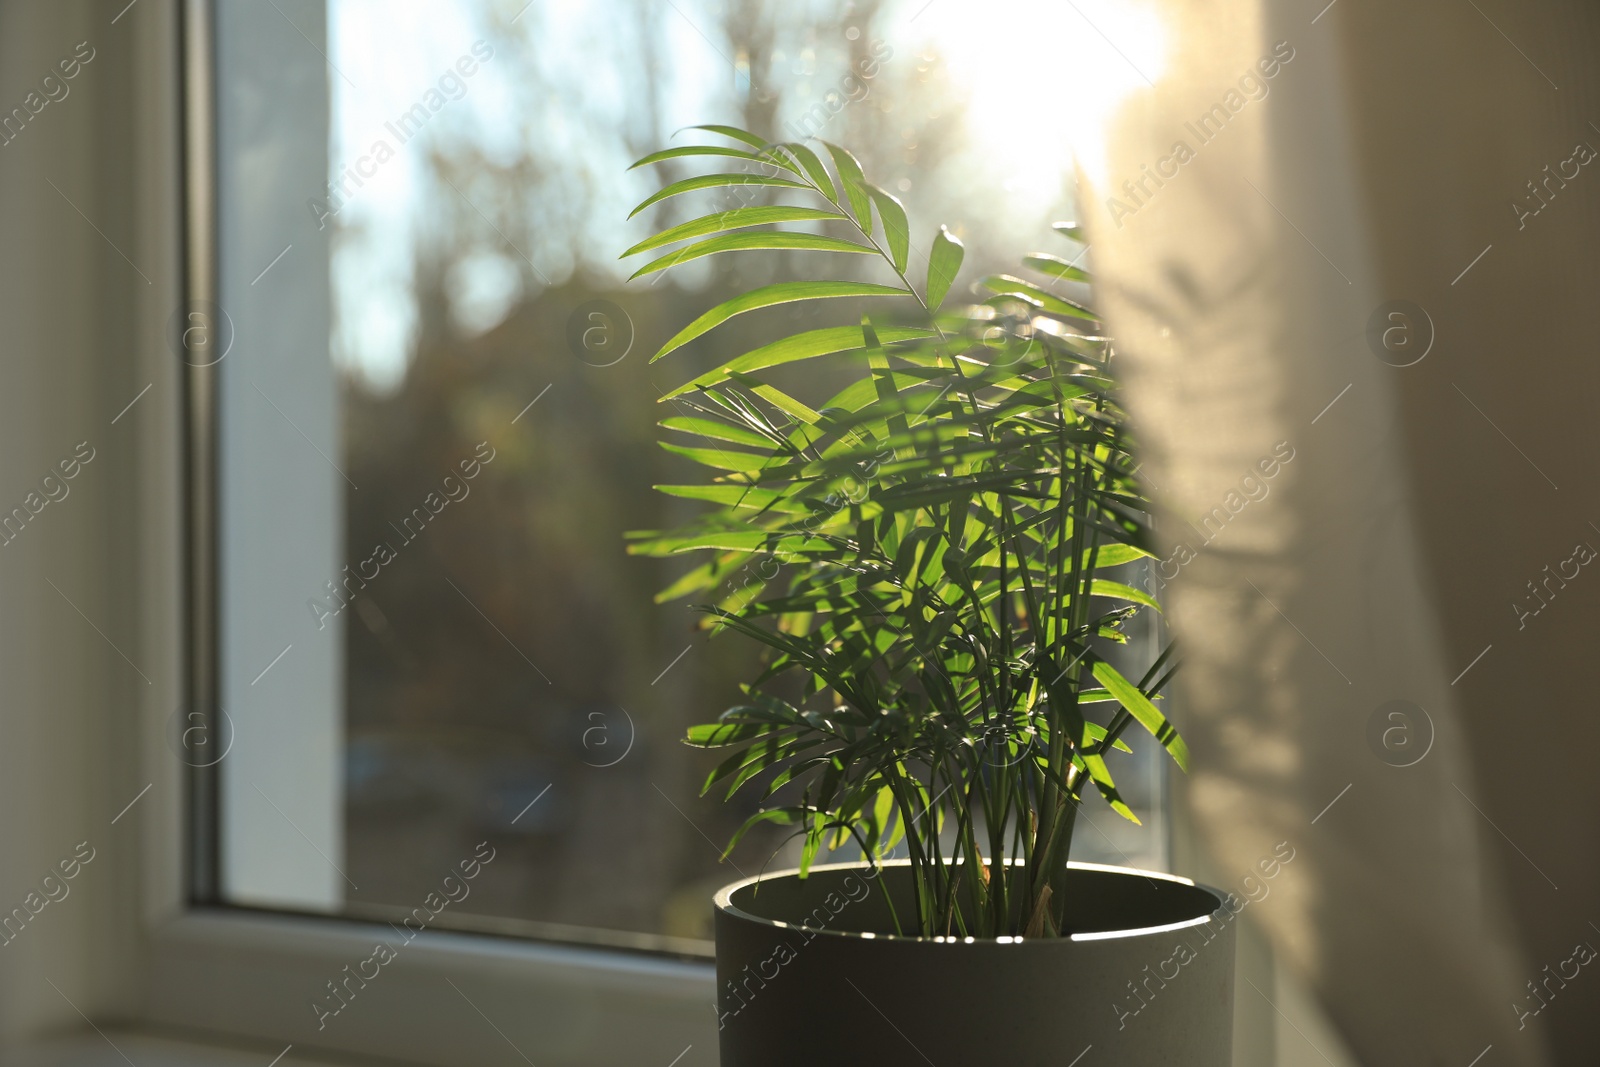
1058	70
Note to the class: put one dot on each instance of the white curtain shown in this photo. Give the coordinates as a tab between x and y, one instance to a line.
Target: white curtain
1344	535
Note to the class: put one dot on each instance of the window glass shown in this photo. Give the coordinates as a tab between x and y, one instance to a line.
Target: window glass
435	510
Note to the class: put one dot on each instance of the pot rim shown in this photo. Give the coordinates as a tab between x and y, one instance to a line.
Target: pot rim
723	901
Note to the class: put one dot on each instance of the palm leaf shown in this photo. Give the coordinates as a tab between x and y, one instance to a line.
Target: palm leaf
896	229
1147	714
854	183
714	181
943	263
1056	267
739	242
771	296
733	219
808	345
707	150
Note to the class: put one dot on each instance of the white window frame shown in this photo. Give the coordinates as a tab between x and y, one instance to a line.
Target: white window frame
447	997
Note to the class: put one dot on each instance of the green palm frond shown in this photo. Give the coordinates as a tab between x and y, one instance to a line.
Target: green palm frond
948	534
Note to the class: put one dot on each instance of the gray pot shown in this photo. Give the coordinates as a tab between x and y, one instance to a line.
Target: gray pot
806	974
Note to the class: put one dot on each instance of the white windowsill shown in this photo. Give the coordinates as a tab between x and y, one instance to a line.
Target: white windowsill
1309	1042
117	1047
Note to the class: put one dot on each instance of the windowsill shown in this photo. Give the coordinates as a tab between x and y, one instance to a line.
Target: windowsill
118	1047
1312	1045
225	972
1307	1040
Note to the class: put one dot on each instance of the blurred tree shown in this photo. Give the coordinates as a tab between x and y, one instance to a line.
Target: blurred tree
512	644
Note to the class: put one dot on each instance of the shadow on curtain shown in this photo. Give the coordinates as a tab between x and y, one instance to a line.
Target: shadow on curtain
1357	345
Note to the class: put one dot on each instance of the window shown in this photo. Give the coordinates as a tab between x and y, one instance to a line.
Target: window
499	682
437	423
334	778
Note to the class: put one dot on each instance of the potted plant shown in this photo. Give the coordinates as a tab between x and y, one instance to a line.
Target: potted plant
941	536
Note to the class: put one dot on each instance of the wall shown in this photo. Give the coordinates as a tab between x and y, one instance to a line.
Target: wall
1499	421
85	285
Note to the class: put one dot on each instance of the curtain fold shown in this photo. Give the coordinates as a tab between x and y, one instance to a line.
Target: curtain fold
1275	236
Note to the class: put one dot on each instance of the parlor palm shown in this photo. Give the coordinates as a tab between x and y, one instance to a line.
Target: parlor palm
939	544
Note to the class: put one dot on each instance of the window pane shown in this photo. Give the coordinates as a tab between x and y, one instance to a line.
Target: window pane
500	670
